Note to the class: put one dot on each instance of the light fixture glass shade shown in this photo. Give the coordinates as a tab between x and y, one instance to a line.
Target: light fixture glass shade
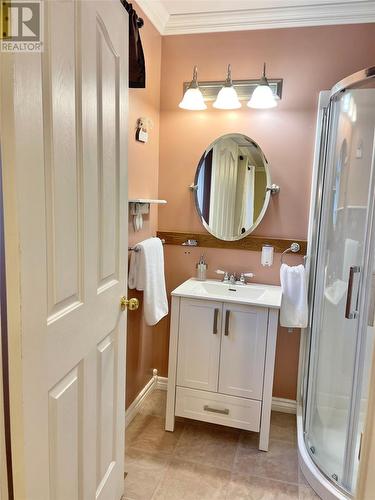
227	98
193	97
193	100
262	98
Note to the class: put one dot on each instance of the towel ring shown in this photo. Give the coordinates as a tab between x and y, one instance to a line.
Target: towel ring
294	247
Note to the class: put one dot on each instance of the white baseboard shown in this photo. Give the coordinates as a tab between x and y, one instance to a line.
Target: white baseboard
162	383
284	405
278	404
135	407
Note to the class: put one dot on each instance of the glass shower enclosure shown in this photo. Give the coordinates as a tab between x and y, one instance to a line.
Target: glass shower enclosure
342	284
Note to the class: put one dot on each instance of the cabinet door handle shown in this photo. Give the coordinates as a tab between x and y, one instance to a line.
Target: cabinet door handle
225	411
216	315
226	328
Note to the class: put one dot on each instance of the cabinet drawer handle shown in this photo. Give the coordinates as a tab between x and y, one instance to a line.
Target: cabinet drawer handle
216	410
216	315
226	329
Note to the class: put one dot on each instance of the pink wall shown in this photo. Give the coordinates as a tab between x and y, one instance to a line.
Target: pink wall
309	60
143	183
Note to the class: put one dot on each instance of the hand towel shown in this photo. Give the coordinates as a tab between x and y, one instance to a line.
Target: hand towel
294	310
146	273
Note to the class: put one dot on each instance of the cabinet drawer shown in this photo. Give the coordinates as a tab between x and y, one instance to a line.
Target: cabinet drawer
218	408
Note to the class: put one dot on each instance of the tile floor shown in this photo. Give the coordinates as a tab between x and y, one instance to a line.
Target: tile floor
200	461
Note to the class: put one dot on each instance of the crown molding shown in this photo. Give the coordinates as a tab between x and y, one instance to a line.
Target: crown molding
156	13
351	12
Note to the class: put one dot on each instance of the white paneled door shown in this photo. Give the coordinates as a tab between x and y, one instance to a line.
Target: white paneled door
63	126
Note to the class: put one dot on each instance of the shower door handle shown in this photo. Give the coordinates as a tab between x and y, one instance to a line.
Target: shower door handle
349	312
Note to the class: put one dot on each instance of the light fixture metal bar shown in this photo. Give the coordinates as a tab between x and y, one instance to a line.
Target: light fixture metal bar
244	88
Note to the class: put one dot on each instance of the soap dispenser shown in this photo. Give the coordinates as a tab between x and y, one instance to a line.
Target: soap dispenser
201	269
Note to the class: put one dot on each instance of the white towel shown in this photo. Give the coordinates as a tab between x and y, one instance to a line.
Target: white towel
146	273
294	310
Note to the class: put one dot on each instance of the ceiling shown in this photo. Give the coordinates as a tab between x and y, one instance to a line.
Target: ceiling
174	17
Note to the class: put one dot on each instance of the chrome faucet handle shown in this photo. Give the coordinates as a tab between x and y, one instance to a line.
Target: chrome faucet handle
243	277
224	273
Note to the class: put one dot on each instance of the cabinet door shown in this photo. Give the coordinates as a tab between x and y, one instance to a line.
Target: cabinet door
243	349
199	344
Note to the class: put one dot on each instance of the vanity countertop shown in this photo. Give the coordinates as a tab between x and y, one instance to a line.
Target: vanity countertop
251	294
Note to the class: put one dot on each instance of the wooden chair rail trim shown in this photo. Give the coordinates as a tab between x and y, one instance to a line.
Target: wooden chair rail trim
254	243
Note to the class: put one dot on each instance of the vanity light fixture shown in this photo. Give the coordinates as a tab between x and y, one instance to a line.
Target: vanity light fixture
227	98
193	98
263	97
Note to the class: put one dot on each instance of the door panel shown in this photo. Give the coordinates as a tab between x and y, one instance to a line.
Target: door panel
62	145
199	346
106	402
65	435
65	161
108	149
244	338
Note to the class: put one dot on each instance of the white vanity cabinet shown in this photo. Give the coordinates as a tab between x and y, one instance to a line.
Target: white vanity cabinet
221	363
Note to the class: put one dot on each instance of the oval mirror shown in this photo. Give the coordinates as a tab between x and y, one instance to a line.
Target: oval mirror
230	185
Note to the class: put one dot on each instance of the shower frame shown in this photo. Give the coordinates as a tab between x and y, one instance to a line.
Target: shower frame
318	478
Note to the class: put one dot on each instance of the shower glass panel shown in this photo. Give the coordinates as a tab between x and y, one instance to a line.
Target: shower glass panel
338	366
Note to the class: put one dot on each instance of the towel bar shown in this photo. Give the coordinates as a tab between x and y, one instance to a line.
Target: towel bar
136	249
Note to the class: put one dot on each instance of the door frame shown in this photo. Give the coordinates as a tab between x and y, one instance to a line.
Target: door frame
6	480
12	271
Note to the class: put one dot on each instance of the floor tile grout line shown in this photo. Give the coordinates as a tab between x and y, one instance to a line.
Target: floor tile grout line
178	440
162	478
236	452
241	474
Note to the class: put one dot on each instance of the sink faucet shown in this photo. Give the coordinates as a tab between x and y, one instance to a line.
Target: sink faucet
233	278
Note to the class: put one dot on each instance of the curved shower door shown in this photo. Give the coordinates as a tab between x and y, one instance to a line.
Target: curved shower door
337	361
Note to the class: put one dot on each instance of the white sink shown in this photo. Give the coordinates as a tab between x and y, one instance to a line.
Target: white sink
254	294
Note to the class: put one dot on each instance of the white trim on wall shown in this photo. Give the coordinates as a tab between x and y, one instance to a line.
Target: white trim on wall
320	14
278	404
162	383
284	405
156	12
136	405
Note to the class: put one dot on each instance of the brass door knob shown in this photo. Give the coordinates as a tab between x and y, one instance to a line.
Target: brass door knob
131	304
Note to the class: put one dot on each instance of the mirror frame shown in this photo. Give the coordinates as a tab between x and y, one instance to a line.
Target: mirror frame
266	200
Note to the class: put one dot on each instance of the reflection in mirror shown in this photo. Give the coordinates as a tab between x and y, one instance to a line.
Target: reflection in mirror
231	187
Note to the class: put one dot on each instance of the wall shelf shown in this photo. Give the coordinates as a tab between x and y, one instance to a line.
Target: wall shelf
147	201
254	243
138	207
